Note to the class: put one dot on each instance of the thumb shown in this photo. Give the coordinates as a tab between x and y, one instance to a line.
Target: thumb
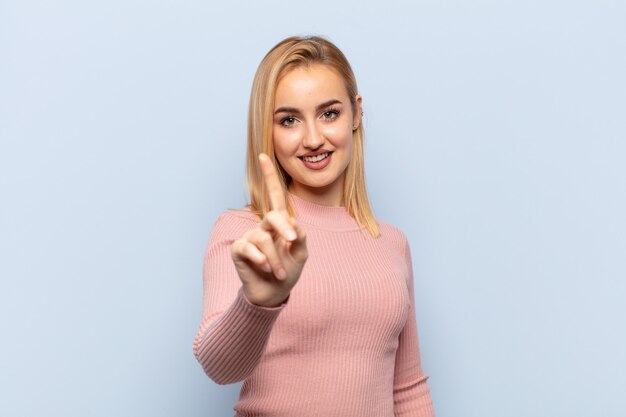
298	247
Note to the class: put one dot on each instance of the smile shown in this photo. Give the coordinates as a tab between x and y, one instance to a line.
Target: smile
316	158
318	161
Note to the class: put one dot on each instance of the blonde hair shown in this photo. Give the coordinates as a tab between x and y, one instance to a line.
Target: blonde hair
287	55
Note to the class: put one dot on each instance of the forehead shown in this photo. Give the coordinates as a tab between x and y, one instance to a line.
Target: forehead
310	84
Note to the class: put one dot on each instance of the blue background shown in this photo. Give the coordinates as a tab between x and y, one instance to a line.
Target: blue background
496	139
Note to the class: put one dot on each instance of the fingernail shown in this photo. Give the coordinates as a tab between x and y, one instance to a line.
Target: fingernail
266	267
281	274
291	234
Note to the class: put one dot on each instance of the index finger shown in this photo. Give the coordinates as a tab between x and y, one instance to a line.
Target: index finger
275	190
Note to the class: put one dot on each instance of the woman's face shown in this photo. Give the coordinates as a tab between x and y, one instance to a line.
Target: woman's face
313	117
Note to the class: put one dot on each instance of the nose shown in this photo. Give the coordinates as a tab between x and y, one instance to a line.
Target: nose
313	138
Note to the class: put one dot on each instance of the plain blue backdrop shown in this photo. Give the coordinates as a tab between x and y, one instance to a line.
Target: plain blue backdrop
495	139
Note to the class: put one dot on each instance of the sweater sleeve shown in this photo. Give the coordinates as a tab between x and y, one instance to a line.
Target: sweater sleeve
233	332
411	393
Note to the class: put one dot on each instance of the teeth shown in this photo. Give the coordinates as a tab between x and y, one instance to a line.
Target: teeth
316	158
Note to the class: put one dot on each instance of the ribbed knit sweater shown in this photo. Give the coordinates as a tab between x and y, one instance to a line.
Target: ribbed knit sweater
343	344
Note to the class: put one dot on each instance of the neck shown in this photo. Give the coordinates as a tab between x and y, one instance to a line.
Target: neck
322	216
330	195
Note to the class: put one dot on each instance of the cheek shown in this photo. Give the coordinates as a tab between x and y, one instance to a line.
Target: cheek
339	135
285	141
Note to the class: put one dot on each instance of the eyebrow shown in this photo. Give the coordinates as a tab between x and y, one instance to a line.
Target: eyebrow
294	110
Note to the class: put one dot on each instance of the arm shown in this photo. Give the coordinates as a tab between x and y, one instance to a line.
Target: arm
234	332
411	394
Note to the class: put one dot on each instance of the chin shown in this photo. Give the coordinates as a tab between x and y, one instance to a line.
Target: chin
319	183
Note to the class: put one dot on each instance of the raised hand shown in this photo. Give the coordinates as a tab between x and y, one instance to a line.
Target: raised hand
270	258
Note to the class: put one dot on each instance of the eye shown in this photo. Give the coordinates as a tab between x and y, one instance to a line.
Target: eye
288	121
330	114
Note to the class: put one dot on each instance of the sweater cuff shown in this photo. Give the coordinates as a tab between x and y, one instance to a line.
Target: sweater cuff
244	316
240	294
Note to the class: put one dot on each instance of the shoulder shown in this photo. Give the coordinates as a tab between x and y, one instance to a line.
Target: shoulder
392	233
231	224
237	215
394	238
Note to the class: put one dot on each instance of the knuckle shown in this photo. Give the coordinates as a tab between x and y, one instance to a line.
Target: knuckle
265	238
237	247
255	233
275	217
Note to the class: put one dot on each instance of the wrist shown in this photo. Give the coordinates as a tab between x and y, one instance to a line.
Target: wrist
272	303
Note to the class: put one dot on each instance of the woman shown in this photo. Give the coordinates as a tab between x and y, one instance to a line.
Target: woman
307	298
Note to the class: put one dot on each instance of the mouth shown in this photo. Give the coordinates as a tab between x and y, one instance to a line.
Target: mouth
317	162
316	158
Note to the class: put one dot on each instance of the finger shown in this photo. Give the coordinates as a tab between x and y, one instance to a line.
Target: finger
275	221
264	242
272	182
243	250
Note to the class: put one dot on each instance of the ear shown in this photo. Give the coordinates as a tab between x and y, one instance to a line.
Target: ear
358	112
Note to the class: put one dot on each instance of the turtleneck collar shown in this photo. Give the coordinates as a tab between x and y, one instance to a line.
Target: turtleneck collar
323	217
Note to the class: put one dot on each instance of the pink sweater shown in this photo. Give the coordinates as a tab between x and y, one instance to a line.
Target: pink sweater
344	344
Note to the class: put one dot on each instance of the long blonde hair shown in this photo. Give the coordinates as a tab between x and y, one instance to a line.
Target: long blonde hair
288	54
